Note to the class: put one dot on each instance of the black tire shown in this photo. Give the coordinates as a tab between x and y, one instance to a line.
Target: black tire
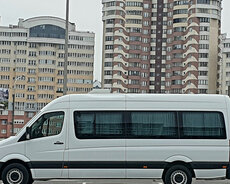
178	174
15	174
30	181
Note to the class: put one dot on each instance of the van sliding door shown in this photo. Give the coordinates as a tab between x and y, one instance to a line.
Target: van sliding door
96	139
151	137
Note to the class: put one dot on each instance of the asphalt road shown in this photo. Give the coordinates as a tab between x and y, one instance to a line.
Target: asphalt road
125	182
128	182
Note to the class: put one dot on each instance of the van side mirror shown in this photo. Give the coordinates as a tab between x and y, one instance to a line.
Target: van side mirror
28	130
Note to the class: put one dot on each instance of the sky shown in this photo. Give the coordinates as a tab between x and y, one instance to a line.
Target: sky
86	14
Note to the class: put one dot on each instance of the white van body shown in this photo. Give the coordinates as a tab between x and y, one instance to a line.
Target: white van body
65	155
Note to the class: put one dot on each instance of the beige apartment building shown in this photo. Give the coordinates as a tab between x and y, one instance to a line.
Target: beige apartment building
168	46
32	62
225	65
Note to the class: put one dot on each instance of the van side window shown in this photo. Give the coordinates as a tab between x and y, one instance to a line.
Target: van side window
203	125
149	125
152	125
48	124
89	125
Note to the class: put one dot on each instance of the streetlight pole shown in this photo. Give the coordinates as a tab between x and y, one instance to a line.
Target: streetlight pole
13	105
229	91
66	48
12	127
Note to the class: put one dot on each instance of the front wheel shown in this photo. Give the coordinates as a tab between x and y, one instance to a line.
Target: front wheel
15	174
178	174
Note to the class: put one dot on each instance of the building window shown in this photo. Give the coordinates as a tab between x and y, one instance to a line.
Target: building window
47	31
30	114
227	55
202	91
203	1
18	121
3	131
203	73
203	55
4	122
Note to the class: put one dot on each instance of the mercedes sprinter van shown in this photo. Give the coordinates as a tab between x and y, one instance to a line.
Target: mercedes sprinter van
122	136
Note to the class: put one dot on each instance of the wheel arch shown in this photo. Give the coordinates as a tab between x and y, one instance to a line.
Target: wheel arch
186	164
25	164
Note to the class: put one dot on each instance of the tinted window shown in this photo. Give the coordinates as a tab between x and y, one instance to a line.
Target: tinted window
98	124
153	125
150	125
48	124
47	31
203	125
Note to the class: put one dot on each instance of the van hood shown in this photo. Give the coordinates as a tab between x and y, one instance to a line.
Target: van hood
8	141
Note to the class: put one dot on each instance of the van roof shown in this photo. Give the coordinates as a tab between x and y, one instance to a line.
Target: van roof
143	97
62	102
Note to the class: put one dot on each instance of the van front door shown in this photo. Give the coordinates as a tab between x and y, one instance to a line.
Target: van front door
46	146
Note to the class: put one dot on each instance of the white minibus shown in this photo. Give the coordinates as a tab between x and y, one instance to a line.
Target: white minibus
122	136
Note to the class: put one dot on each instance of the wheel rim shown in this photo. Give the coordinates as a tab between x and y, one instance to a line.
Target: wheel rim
179	177
14	176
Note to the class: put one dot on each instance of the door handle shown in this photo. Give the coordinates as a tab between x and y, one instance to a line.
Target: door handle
58	142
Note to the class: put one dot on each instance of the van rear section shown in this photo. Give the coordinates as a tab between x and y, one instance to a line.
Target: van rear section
228	168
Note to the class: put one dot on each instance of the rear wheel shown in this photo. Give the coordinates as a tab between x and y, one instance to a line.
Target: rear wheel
178	174
30	181
15	174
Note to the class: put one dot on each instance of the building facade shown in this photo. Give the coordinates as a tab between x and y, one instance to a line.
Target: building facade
20	119
32	63
225	65
161	46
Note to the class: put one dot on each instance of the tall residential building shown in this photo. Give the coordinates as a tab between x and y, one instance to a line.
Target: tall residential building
225	64
161	46
32	62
